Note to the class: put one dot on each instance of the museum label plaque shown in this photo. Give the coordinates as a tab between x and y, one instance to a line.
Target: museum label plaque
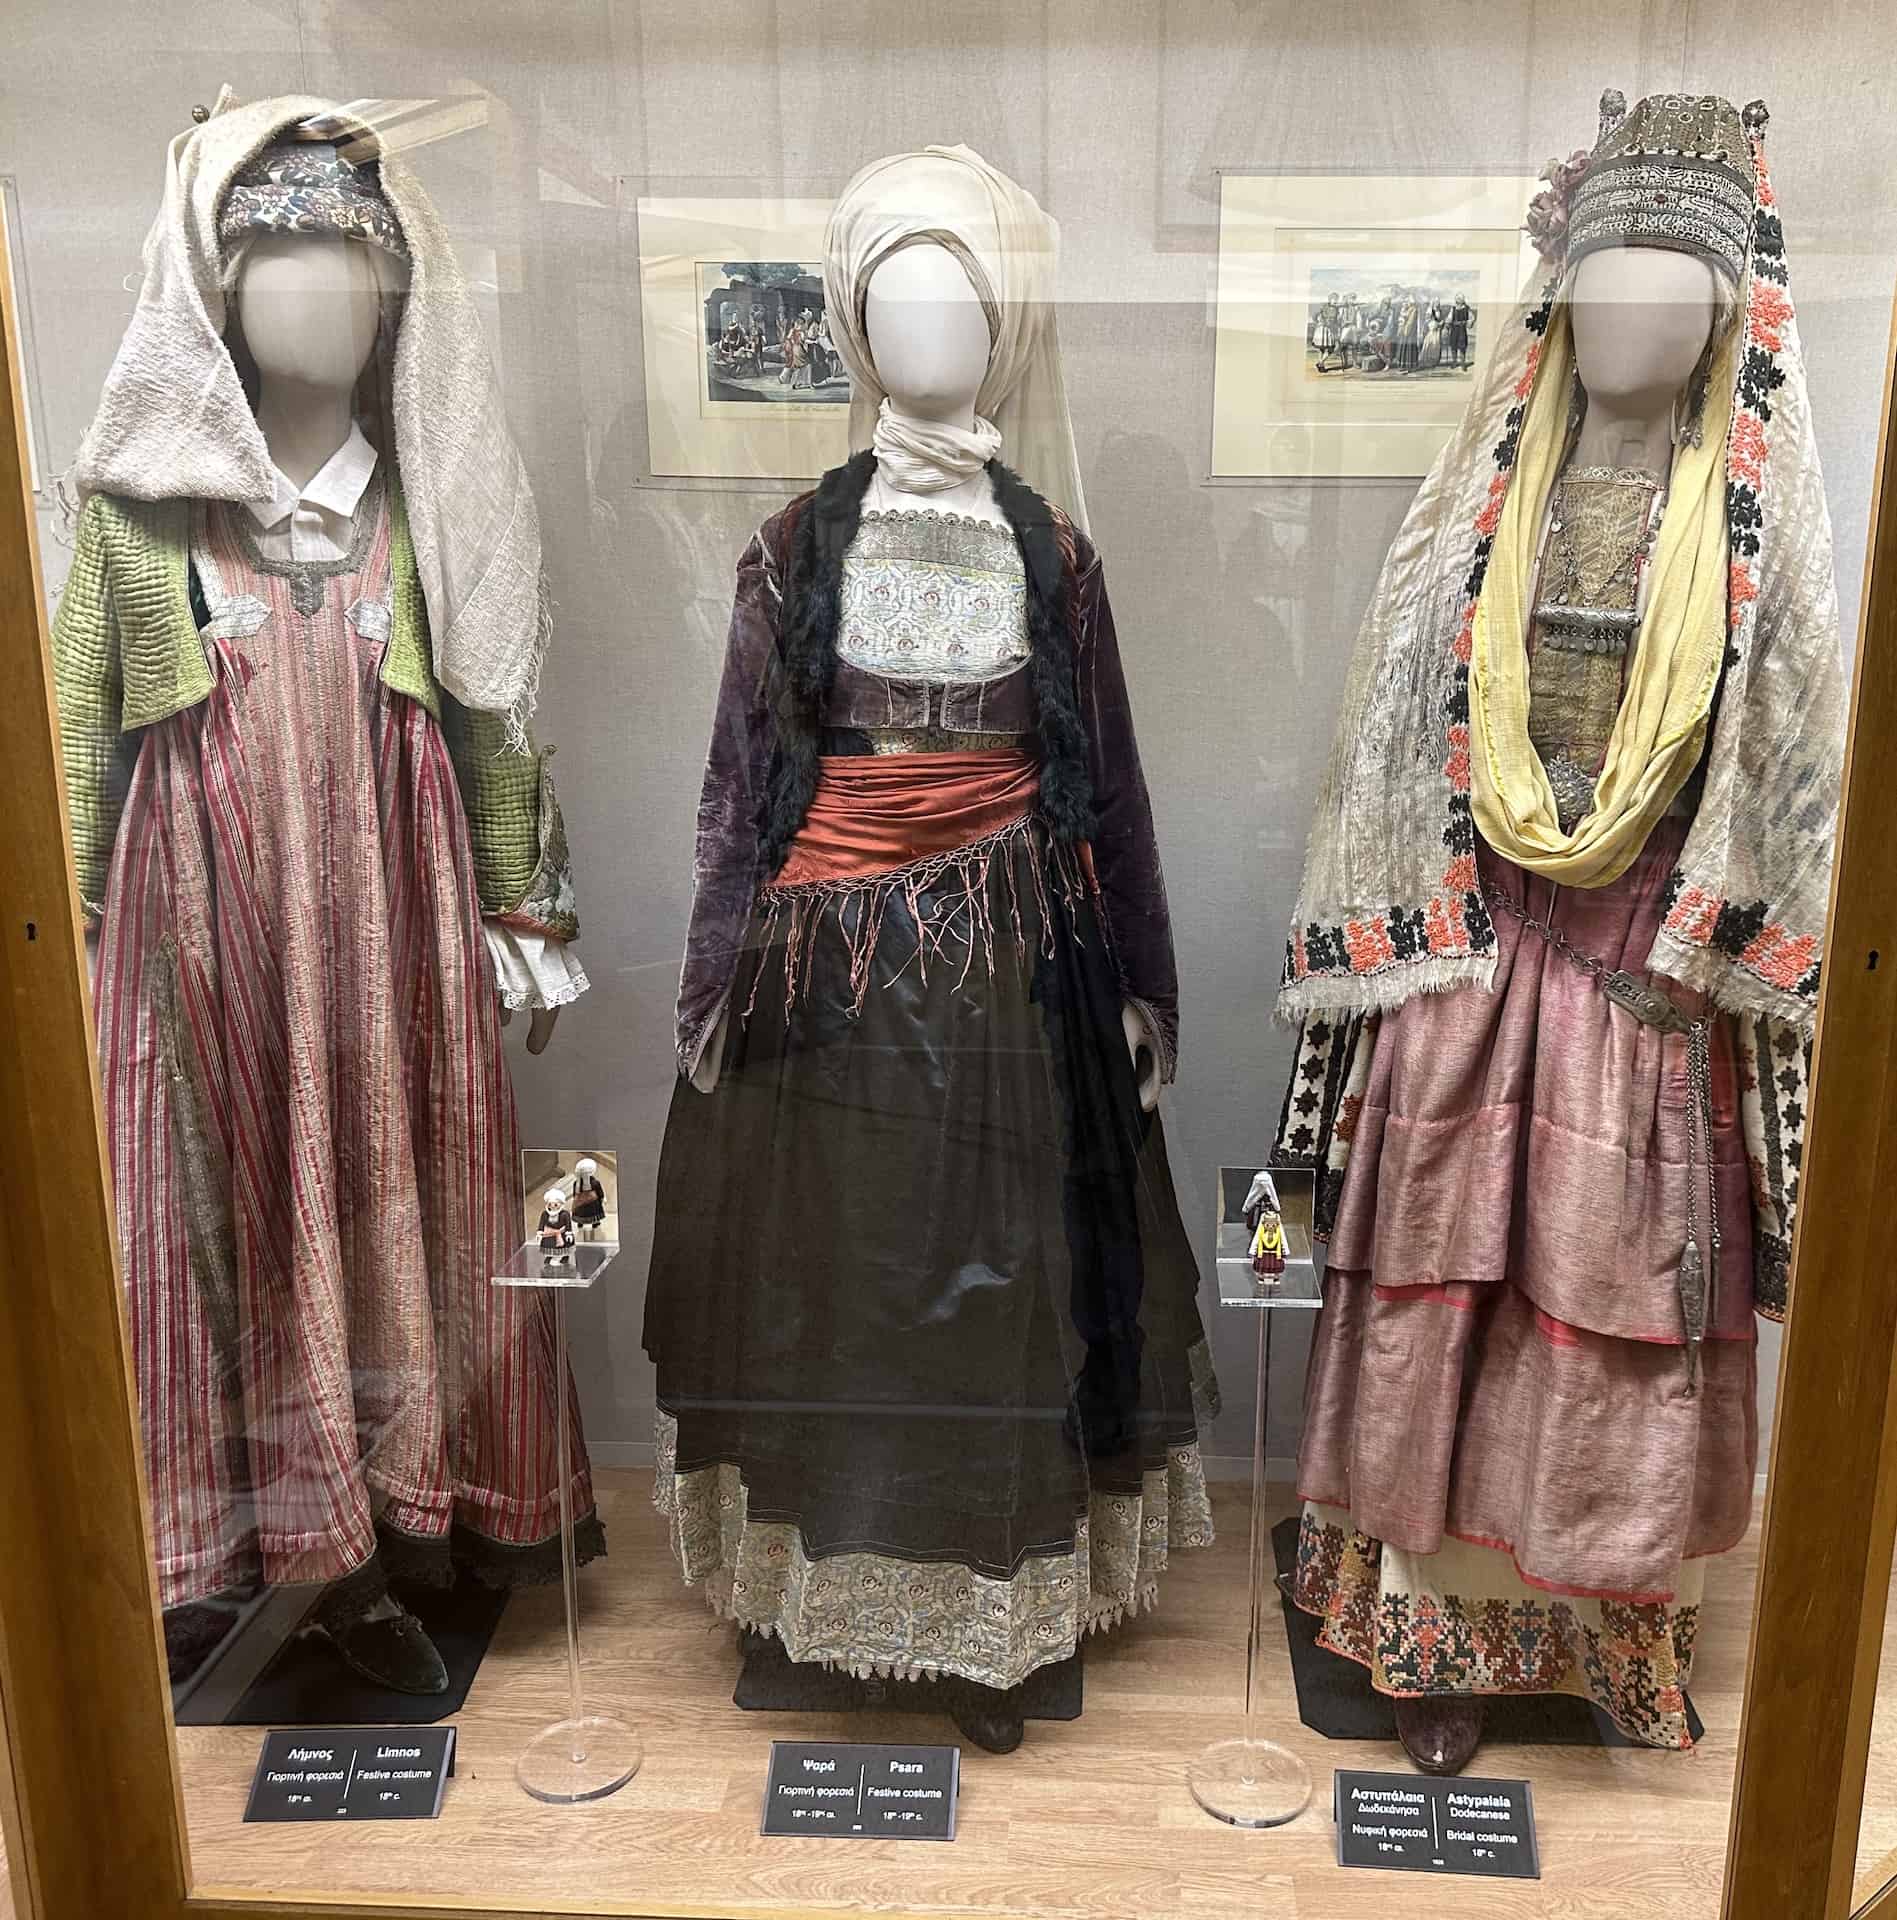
1411	1822
352	1773
859	1791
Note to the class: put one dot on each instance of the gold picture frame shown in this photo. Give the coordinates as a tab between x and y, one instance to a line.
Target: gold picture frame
747	415
1341	299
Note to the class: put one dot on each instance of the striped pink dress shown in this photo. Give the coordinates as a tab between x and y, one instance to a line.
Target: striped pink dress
310	1120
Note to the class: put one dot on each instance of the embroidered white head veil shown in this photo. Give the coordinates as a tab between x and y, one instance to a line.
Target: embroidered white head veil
1008	248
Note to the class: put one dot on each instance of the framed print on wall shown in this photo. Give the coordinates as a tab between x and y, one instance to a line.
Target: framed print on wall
742	376
1354	314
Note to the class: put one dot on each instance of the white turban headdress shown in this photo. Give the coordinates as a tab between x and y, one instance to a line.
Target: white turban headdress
952	197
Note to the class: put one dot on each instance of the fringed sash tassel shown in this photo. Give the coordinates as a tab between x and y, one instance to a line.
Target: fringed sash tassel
956	928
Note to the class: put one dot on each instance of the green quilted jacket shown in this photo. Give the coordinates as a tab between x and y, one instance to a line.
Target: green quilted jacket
126	653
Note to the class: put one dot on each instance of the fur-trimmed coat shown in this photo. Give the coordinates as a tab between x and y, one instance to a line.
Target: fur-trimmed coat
784	686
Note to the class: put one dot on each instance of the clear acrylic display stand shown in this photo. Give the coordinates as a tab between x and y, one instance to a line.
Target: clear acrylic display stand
585	1756
1252	1781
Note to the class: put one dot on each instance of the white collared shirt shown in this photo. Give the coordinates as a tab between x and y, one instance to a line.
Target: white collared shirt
317	522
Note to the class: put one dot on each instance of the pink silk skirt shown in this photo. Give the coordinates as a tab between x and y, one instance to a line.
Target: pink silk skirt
1500	1359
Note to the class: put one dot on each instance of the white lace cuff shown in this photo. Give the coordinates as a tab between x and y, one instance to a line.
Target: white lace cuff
532	969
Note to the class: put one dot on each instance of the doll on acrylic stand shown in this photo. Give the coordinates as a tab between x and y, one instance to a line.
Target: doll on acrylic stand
1264	1220
556	1232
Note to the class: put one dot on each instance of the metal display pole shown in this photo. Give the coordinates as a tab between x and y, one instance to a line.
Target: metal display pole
1253	1781
584	1756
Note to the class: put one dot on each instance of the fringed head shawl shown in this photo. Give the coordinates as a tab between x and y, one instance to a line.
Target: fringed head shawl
951	197
1390	903
174	423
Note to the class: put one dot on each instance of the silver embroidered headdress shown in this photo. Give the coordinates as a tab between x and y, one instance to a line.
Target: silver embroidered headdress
1675	172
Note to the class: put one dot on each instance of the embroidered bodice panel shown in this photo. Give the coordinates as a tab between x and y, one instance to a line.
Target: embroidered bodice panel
932	599
1587	612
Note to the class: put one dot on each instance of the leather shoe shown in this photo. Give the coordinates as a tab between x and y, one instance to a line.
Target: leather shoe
989	1716
1440	1731
395	1653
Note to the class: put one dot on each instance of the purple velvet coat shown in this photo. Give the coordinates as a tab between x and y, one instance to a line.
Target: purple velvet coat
729	865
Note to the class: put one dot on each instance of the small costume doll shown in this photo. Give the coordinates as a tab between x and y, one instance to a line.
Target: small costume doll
1265	1218
589	1197
556	1232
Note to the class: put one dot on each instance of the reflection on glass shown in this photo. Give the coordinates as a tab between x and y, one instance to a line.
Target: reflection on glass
901	1399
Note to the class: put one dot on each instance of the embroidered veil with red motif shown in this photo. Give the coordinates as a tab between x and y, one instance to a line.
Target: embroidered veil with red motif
1390	904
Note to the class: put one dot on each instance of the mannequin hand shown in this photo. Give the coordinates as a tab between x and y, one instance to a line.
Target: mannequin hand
1140	1035
711	1061
539	1027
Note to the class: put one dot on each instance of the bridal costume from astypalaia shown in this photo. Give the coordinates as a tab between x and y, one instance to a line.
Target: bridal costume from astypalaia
318	853
931	1372
1555	1199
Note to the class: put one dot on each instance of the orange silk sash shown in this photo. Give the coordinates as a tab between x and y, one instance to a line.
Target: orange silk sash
875	813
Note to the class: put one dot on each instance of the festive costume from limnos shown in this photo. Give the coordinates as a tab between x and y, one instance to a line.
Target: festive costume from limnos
1555	961
312	855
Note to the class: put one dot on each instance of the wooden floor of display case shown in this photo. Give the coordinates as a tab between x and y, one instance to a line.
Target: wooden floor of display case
1087	1819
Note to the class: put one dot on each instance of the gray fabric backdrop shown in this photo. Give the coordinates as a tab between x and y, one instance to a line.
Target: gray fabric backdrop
1236	604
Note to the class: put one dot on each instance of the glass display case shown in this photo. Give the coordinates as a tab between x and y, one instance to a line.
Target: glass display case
556	583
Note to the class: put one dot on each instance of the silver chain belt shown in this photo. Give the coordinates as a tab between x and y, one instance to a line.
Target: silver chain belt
1653	1009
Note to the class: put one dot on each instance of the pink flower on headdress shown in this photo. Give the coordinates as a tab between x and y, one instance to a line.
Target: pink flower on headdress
1547	222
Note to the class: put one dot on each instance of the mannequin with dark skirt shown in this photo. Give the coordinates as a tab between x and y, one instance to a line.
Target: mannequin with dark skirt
924	1315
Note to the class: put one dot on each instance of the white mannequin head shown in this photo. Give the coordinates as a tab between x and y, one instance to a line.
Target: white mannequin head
586	1166
555	1198
309	305
928	334
1642	318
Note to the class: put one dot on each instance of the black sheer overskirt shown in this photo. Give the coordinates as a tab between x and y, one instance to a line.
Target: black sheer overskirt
918	1269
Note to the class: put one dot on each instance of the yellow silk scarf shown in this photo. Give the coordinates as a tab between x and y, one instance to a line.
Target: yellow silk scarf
1660	731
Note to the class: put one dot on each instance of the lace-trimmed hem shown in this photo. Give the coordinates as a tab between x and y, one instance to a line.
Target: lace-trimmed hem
873	1614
